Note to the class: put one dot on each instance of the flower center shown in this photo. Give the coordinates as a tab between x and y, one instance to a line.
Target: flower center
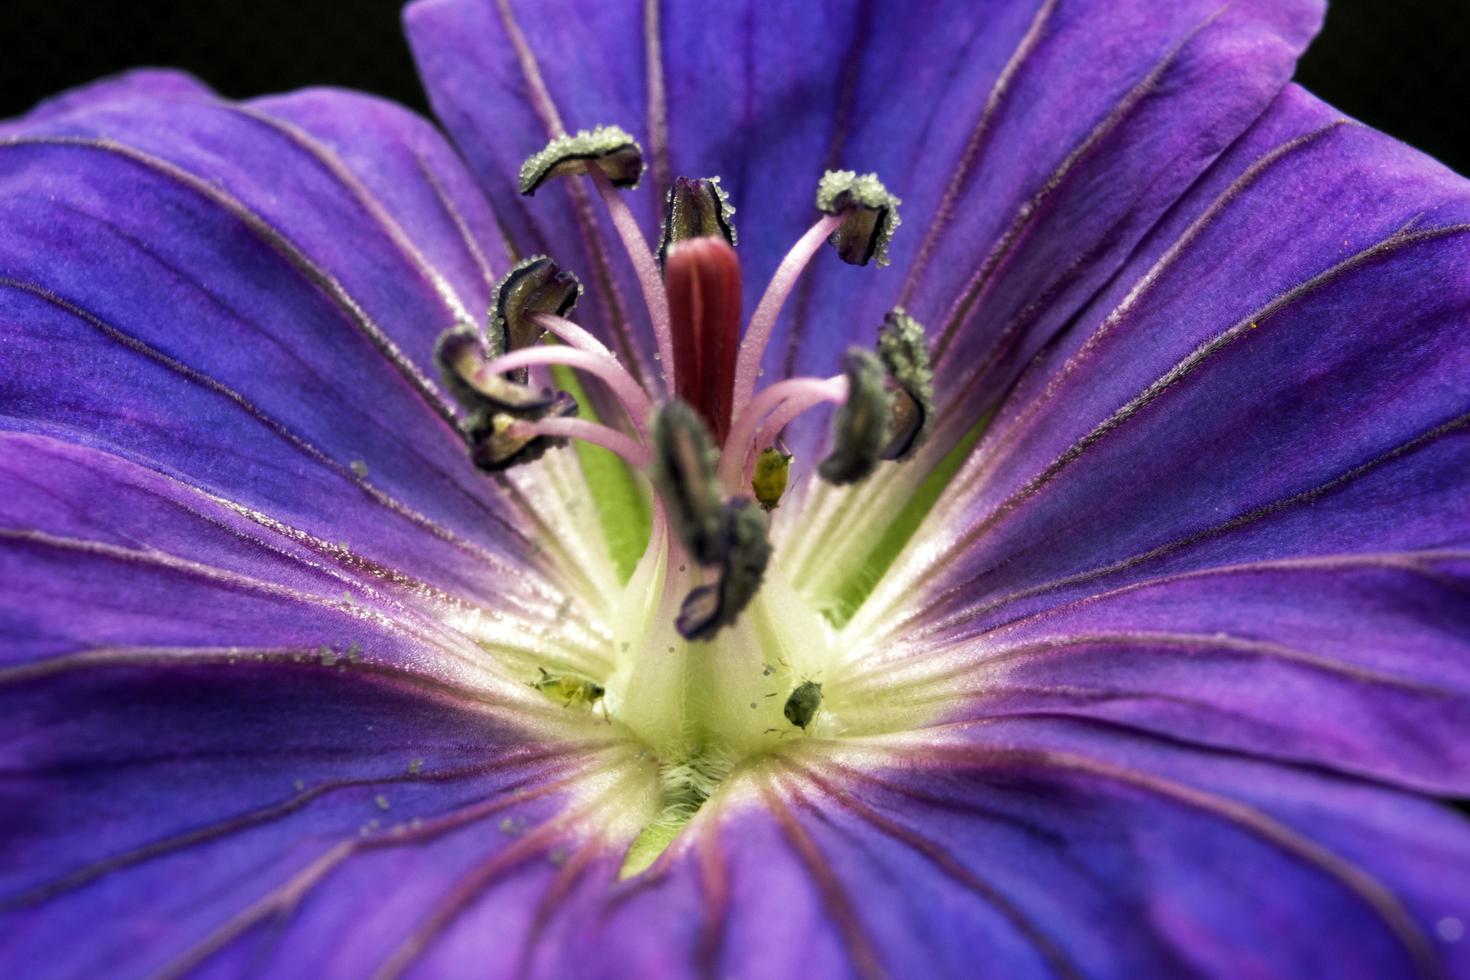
715	656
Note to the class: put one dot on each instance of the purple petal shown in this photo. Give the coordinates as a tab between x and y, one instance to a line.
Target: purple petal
406	166
997	124
1046	850
102	556
503	93
256	818
238	311
1252	448
1357	663
141	84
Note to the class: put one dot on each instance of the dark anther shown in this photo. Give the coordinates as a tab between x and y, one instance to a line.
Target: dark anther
870	215
462	357
685	472
534	285
746	553
772	468
695	207
494	448
610	149
860	428
905	355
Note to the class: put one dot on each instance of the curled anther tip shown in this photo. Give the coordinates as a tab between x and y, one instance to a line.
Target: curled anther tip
610	149
461	356
685	471
533	285
495	447
905	355
747	547
695	207
869	213
860	428
772	470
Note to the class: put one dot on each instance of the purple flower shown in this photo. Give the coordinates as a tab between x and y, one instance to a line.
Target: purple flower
1148	656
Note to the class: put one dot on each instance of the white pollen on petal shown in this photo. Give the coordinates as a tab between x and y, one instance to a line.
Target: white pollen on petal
1450	929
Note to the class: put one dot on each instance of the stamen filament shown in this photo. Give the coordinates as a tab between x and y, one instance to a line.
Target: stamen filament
783	401
645	265
763	322
658	541
632	451
635	401
571	334
792	407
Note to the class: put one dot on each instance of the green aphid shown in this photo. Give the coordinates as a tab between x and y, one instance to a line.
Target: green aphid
772	468
569	689
803	704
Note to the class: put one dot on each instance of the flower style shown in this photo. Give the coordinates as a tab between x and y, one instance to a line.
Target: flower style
409	568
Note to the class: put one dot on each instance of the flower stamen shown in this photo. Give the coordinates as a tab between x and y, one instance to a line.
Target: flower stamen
860	430
763	321
747	551
572	335
608	150
695	207
686	477
635	401
646	268
782	401
634	453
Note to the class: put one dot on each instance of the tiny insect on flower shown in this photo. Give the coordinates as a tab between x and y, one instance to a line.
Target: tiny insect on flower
803	704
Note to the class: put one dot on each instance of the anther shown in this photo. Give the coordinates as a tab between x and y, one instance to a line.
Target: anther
869	213
608	148
495	445
684	471
533	285
462	357
905	355
860	428
859	218
747	551
772	470
695	207
611	159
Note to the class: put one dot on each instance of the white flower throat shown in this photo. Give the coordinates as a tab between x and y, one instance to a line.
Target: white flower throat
716	657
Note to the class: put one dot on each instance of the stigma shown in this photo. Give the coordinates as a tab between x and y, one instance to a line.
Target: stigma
708	439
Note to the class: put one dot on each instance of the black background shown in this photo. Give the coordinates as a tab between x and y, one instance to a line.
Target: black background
1400	65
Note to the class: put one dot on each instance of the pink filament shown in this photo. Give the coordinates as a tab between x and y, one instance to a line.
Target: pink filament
635	402
571	334
633	452
645	266
763	322
783	401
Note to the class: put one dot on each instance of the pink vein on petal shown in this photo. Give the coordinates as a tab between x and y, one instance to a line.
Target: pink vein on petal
328	160
946	862
1025	215
273	237
1187	366
545	107
285	898
1366	888
864	958
979	137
